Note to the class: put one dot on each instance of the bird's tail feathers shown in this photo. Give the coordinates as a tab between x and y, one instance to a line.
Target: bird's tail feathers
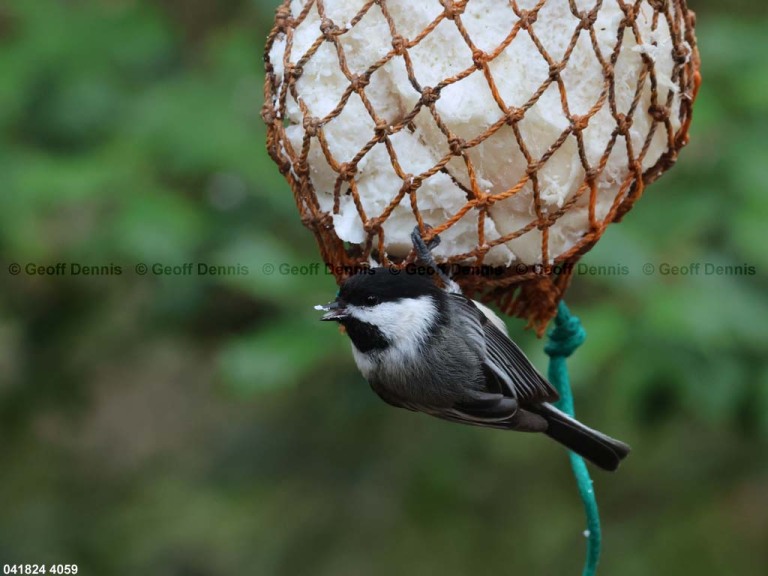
601	450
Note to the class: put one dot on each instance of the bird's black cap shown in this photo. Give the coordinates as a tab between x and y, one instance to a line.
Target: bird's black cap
387	285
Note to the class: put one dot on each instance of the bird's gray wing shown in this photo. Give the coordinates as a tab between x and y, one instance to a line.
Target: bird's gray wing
477	407
491	411
504	361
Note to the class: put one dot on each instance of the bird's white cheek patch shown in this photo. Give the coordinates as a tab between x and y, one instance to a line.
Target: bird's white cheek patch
404	323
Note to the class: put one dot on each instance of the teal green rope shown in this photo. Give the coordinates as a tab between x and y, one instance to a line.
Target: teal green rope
567	335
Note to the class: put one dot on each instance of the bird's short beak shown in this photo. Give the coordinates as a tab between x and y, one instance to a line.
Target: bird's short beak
333	311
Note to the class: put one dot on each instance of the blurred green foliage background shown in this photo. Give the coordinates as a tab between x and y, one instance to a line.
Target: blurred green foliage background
178	425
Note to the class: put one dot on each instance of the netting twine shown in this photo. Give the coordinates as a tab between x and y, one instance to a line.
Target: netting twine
530	294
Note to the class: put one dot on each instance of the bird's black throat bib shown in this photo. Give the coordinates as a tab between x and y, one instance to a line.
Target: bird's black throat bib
366	337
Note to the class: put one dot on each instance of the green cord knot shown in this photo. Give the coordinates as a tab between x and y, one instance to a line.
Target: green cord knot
567	334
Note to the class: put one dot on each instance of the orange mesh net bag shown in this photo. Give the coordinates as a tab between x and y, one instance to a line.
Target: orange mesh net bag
517	130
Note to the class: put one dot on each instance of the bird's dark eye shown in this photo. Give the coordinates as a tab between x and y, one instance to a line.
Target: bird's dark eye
372	300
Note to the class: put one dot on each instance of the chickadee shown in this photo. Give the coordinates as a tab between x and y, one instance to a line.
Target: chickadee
436	351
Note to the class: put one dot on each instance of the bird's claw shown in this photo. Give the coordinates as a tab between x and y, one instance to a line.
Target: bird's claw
424	249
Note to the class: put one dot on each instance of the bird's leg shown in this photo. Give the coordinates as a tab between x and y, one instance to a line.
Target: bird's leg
424	250
424	253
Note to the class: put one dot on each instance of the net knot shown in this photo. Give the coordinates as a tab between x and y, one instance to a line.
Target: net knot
408	184
623	123
268	113
658	113
283	19
527	18
293	71
302	170
310	221
382	129
579	123
514	115
630	15
588	19
482	202
314	220
372	226
453	9
329	29
566	335
479	58
311	125
347	171
456	145
359	81
681	54
398	44
556	68
658	5
319	221
429	95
